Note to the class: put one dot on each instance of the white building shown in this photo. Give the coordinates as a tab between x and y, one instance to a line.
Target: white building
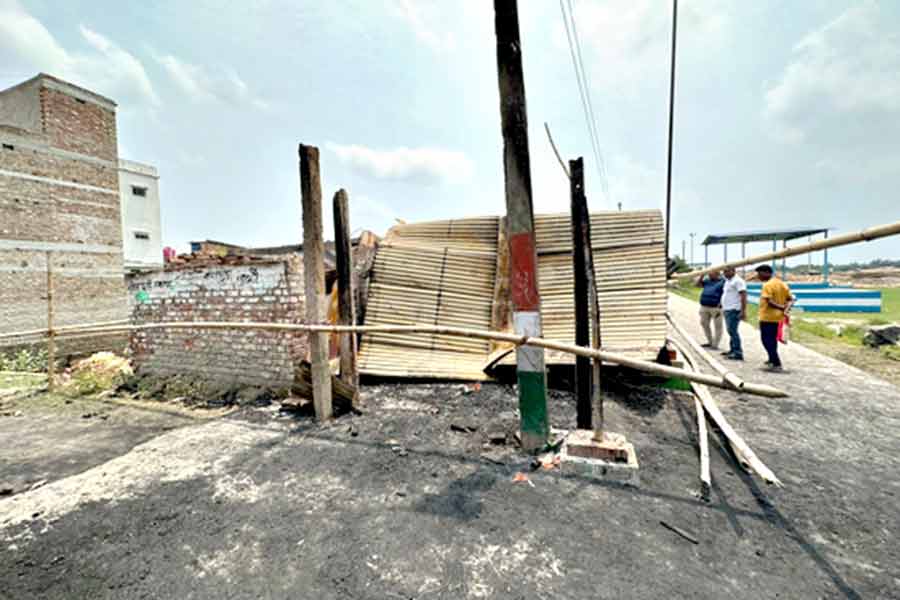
141	227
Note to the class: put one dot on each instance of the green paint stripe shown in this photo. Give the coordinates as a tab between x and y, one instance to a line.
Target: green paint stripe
533	403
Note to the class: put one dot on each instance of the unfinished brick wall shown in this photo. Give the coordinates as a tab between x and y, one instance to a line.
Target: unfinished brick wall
59	193
270	291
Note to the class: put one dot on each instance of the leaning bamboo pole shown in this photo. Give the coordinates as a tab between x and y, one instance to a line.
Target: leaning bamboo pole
517	340
736	382
866	235
743	452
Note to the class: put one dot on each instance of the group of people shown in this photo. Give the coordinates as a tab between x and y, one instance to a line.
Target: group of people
724	299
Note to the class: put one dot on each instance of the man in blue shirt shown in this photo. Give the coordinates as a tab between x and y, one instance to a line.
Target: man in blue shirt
711	307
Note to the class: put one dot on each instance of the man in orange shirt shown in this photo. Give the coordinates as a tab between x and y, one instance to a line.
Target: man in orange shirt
774	301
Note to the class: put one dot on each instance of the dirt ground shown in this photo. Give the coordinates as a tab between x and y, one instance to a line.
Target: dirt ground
406	501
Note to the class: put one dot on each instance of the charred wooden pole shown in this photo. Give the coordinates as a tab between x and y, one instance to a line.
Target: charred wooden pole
526	302
51	334
346	291
587	307
580	220
314	277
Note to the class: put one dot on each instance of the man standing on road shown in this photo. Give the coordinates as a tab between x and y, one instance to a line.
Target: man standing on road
734	307
711	307
775	300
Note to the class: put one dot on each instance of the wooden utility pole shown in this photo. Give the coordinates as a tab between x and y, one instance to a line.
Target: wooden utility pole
346	291
587	308
314	277
580	219
51	339
526	302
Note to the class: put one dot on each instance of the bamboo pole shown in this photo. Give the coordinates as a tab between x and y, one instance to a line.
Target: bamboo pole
702	441
51	342
736	382
62	329
744	452
515	339
866	235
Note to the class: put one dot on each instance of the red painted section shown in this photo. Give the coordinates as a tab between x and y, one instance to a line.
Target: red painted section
523	272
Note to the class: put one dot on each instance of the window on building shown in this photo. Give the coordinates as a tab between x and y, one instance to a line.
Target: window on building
138	190
141	235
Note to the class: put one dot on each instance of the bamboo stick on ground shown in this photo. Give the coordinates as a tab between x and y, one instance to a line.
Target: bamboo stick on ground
518	340
702	442
718	367
742	450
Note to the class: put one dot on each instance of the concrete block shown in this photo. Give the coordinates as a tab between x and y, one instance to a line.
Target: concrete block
585	461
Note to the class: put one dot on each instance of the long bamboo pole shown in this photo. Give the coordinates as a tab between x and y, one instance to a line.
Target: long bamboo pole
736	382
744	452
515	339
866	235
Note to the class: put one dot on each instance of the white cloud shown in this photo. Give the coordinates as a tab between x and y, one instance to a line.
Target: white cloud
843	72
202	85
422	165
105	67
424	19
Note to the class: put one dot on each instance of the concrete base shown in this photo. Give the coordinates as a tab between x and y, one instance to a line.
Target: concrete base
612	459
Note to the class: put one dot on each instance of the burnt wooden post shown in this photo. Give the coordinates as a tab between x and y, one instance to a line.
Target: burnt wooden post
593	295
346	291
580	220
587	307
526	302
51	335
314	277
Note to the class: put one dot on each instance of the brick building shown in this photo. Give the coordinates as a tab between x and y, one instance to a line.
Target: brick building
59	197
220	288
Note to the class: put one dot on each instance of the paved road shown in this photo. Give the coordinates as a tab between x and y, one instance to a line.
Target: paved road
835	443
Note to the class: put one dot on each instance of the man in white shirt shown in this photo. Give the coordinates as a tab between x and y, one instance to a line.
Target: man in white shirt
734	307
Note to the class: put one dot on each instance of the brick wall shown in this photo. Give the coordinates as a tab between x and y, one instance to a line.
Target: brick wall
74	124
264	291
59	192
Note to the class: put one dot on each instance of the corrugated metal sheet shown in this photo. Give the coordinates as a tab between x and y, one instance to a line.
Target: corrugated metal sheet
444	272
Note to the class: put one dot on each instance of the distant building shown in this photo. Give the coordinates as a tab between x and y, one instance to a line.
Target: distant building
59	197
141	230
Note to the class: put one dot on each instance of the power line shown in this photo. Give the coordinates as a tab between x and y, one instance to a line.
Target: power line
587	92
583	95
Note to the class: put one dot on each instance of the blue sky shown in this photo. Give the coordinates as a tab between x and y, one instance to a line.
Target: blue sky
787	114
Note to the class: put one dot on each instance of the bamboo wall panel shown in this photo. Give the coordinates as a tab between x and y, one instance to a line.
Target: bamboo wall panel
444	272
440	272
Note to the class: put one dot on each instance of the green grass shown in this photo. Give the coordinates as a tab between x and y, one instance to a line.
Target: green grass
11	379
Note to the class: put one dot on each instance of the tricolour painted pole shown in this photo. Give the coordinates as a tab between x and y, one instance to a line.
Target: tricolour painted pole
526	302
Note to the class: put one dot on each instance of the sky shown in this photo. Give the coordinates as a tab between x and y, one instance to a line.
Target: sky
787	114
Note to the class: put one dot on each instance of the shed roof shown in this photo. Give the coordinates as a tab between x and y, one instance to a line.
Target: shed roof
763	235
